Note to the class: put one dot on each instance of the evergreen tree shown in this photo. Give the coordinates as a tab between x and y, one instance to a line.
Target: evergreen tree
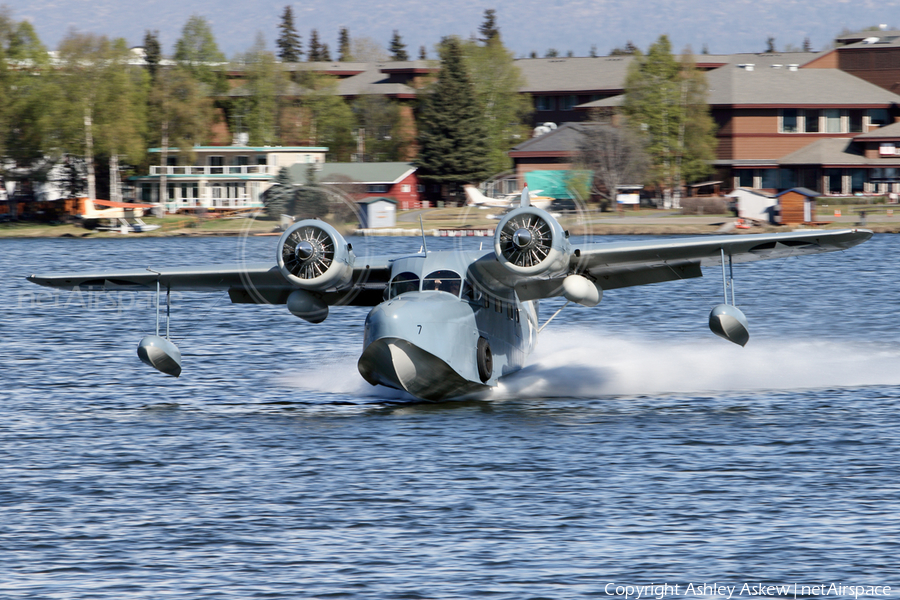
423	54
593	53
152	52
398	48
628	50
489	30
345	54
258	106
280	197
697	139
290	48
551	53
807	46
452	133
325	54
315	48
770	45
196	50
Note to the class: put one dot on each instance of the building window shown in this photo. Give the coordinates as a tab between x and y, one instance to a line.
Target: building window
856	121
261	159
769	179
420	188
857	180
812	121
170	192
789	120
835	185
745	178
405	188
878	117
171	161
567	102
787	179
832	120
544	103
377	189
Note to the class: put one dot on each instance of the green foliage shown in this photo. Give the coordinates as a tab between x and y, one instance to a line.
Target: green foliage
329	119
196	50
315	48
551	53
452	134
258	106
628	49
290	50
398	48
344	46
27	103
666	101
503	110
380	118
488	29
152	51
280	197
326	54
179	111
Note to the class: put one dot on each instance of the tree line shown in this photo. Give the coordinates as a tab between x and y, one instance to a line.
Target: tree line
93	109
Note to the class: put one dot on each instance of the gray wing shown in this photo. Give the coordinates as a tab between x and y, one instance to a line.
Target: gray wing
245	283
624	264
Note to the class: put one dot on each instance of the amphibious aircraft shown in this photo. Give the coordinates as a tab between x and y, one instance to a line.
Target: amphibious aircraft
452	323
474	197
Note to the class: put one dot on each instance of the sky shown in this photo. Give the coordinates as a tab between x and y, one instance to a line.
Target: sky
724	27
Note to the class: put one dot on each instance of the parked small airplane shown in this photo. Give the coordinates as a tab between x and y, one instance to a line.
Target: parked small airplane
114	216
476	198
451	323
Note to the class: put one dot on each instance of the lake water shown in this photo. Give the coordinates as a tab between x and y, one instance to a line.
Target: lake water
636	448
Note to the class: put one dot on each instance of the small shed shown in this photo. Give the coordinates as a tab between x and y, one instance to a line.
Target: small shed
755	205
377	212
797	206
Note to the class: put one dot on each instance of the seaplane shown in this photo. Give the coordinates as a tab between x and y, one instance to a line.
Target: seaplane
451	324
474	197
114	216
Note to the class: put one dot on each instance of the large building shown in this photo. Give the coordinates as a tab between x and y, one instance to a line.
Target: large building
222	177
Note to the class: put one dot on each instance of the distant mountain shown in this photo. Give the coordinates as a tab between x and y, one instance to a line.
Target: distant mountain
525	25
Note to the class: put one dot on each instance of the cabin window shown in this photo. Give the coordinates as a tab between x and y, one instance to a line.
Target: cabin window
404	282
544	103
442	281
377	189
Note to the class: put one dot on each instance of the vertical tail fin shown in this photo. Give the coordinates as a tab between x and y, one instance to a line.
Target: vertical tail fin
526	200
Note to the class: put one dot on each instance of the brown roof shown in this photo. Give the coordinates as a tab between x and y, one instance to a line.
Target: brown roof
888	132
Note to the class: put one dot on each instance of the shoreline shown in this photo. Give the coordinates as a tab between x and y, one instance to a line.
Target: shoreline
668	225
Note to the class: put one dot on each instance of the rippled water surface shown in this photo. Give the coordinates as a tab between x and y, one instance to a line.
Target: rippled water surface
637	447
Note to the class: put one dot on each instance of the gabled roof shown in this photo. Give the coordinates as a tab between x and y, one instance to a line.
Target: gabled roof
834	151
801	87
800	190
576	75
611	102
387	173
888	132
562	141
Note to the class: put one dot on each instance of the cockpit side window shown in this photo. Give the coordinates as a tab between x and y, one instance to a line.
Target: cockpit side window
443	281
404	282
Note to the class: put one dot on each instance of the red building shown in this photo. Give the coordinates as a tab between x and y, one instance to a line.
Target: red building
394	180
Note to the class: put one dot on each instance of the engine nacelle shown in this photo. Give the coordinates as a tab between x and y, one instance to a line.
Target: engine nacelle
528	241
312	255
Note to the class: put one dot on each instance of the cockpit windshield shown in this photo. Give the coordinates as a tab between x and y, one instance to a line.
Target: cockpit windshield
404	282
442	281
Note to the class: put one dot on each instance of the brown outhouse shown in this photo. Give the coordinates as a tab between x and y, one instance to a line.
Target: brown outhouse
797	206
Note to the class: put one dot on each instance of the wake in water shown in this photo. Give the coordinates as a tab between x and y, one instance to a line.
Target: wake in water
571	363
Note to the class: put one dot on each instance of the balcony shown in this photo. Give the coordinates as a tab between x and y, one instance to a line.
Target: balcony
206	170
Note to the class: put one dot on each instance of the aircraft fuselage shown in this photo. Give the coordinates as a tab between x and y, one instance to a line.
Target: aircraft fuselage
445	330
